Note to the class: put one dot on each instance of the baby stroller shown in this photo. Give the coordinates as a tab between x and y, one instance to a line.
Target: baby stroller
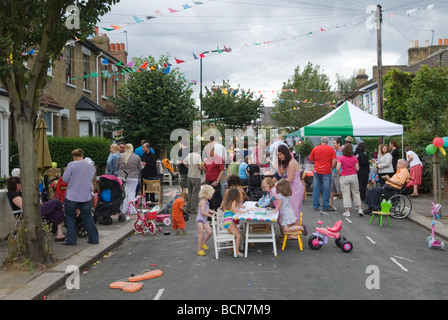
109	199
255	191
60	189
168	209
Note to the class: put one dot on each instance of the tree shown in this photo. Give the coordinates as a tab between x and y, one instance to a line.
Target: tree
305	97
397	89
151	104
45	27
236	108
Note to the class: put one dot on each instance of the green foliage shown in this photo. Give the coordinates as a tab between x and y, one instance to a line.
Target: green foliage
236	108
95	148
152	104
397	87
305	148
310	85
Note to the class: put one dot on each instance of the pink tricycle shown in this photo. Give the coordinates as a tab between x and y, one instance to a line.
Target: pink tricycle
321	236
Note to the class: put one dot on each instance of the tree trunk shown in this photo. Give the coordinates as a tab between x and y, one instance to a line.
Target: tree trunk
34	237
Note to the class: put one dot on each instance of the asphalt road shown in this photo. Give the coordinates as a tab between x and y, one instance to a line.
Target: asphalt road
386	263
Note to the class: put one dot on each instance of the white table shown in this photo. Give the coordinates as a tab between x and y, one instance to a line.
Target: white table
258	216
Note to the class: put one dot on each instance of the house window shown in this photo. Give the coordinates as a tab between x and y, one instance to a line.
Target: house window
86	71
69	63
48	117
84	128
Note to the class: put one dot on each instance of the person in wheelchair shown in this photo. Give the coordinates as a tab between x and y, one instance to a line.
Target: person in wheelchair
391	187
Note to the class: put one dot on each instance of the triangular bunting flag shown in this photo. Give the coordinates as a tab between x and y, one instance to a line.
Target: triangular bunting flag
137	19
202	55
108	29
131	64
167	70
217	47
187	6
195	57
115	27
105	61
178	61
143	66
150	17
172	10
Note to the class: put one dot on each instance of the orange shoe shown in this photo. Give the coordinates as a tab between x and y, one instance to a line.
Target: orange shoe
146	275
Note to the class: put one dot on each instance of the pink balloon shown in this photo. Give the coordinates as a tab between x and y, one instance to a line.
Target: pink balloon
438	142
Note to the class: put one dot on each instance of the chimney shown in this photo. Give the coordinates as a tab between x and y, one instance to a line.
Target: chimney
122	47
440	42
361	78
445	42
426	43
416	43
411	45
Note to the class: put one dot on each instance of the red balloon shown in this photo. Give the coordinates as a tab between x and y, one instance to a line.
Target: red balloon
438	142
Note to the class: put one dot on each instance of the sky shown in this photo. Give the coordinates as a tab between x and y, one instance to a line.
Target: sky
267	39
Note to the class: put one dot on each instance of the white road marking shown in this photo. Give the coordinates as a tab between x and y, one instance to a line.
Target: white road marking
159	294
370	239
398	264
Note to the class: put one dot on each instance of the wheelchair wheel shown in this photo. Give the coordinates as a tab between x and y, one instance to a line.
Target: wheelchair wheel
401	206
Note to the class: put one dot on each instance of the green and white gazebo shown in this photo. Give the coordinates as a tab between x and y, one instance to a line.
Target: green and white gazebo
349	120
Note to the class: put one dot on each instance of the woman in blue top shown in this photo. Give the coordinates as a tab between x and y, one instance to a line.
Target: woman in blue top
112	160
242	172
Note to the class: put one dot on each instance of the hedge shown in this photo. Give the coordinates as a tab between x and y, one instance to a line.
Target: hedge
95	148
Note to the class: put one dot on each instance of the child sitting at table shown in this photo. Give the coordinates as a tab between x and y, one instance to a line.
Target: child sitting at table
287	219
202	223
232	205
268	186
234	182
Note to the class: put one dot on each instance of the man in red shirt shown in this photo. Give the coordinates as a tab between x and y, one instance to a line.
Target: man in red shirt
324	158
214	170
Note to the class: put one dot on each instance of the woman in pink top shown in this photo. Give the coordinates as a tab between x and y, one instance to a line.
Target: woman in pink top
347	169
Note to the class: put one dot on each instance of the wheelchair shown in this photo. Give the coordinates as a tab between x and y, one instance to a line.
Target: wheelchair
401	204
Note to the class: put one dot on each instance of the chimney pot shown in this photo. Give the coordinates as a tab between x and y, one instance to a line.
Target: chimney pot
111	46
440	42
416	43
411	44
445	42
122	47
426	43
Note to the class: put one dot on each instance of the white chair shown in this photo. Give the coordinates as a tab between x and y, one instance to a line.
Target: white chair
221	237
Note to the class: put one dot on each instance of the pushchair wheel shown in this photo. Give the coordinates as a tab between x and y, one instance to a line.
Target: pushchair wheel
81	230
104	220
121	218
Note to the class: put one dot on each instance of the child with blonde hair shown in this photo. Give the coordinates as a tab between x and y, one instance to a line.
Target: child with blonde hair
202	223
232	205
268	185
287	219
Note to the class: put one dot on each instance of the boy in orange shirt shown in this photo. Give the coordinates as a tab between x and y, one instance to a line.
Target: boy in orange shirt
177	215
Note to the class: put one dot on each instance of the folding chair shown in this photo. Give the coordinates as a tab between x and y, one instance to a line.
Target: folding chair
221	237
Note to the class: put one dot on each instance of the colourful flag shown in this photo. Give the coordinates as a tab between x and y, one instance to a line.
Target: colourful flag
131	64
119	63
202	55
105	61
178	61
195	57
143	66
115	27
138	19
172	10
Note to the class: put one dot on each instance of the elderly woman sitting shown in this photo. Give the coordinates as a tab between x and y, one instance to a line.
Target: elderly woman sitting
51	210
392	186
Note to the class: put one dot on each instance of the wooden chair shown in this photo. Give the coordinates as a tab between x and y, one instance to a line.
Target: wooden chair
153	186
221	238
298	233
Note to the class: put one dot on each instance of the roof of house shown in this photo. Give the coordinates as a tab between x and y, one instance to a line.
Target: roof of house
85	103
436	59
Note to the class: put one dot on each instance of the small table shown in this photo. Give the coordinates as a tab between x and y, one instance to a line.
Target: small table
258	216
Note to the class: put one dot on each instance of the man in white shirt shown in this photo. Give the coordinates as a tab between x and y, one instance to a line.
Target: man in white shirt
193	162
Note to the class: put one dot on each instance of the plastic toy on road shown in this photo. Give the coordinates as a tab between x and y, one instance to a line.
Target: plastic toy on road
432	241
320	237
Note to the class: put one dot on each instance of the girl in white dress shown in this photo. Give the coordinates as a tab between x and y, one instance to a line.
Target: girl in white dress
288	220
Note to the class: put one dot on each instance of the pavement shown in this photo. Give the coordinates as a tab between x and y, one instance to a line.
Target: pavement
37	284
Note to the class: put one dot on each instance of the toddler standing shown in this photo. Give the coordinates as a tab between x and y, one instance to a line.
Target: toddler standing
177	215
288	220
202	223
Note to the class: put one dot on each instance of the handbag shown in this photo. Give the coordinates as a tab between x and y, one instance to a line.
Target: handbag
186	216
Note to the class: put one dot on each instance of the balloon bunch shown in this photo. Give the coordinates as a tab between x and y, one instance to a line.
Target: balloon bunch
437	143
